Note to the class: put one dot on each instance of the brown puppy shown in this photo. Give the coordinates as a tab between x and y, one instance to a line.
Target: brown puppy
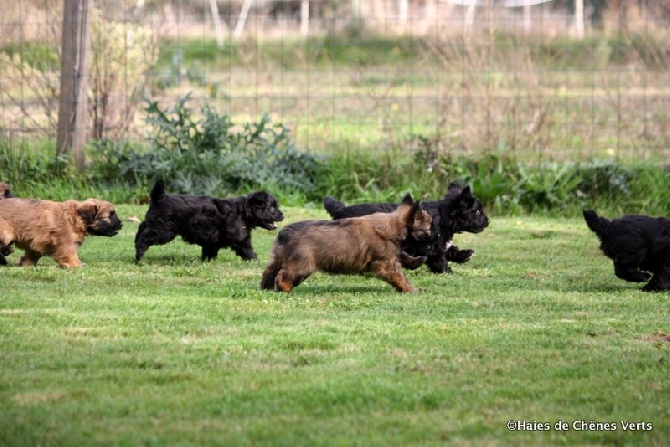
353	245
57	229
5	193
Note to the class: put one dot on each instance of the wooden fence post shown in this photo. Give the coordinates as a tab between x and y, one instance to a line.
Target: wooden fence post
75	61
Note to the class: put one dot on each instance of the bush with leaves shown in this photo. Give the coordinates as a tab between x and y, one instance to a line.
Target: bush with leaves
209	154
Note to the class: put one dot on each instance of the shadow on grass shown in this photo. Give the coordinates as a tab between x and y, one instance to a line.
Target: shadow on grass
327	290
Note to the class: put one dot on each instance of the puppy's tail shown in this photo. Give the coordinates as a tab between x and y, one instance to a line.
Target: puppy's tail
595	223
333	206
158	191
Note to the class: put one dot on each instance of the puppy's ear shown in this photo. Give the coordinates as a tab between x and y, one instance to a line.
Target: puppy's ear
259	198
411	214
415	208
88	211
465	196
407	200
454	185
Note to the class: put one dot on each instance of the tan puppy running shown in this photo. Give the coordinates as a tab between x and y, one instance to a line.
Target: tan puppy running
56	229
369	243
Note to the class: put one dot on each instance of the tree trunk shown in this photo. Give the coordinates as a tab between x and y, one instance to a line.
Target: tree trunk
72	112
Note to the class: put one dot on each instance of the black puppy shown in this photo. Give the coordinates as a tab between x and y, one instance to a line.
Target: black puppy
636	245
458	211
206	221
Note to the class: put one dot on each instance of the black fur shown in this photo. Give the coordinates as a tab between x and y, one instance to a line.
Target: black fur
209	222
458	211
636	245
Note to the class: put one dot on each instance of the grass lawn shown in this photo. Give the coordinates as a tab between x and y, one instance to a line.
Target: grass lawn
535	328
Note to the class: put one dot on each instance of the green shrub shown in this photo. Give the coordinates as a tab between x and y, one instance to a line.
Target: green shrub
209	154
604	179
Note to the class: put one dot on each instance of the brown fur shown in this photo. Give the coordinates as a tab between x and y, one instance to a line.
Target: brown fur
5	193
57	229
353	245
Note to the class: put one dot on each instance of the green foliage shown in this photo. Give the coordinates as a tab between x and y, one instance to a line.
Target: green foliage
369	50
321	51
174	71
550	187
209	154
32	162
493	177
38	55
604	178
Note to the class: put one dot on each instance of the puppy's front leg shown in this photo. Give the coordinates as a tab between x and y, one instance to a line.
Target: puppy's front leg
391	272
209	253
68	259
245	251
438	263
459	256
661	280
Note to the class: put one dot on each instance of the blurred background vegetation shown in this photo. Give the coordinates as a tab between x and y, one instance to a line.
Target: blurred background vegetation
540	109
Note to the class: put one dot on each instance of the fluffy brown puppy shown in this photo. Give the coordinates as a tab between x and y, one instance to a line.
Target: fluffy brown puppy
5	193
56	229
353	245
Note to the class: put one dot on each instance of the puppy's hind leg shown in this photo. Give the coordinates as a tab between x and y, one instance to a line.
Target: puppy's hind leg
148	236
29	258
391	272
5	250
284	281
270	274
630	272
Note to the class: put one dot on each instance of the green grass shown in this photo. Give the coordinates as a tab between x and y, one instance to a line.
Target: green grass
176	352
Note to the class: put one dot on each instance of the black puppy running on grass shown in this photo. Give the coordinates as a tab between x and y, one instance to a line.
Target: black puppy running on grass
636	244
209	222
458	211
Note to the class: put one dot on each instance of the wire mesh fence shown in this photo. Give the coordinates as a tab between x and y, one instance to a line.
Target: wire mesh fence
380	75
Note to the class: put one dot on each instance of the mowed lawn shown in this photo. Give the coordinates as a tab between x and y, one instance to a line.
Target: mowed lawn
535	328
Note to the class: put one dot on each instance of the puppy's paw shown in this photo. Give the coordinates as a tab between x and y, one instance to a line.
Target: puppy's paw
656	286
440	268
462	256
638	277
412	262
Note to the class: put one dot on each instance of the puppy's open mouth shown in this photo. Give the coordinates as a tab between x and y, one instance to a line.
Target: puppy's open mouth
270	226
110	231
